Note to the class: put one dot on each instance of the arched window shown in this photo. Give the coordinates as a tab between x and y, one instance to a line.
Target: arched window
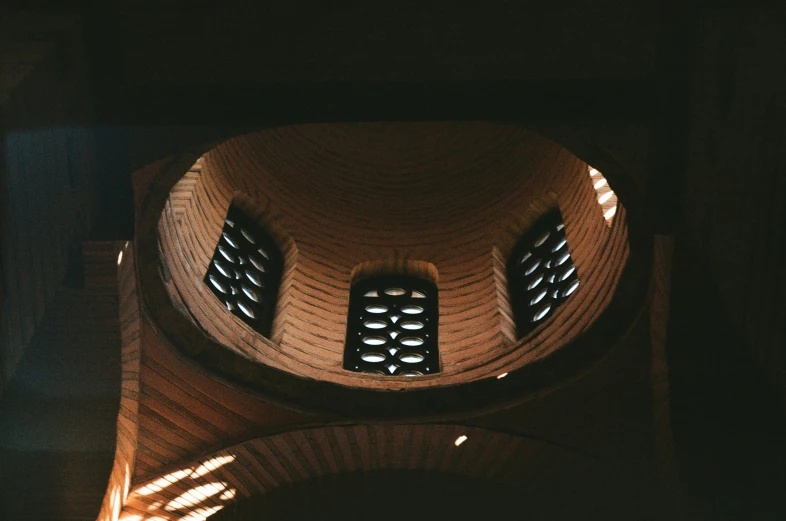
541	274
246	271
392	327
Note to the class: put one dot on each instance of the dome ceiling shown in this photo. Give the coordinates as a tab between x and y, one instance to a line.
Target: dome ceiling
447	200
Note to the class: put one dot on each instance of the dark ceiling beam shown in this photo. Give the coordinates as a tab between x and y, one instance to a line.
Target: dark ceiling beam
266	105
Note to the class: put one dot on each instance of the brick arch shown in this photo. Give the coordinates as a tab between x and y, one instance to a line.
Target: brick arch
263	465
415	268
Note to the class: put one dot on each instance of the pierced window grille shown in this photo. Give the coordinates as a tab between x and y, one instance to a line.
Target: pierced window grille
541	274
392	327
246	271
607	199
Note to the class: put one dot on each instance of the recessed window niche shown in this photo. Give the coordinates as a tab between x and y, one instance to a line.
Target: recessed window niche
541	273
392	327
245	271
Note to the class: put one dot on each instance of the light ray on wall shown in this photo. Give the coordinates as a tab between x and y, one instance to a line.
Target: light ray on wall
212	464
195	496
229	494
163	482
200	514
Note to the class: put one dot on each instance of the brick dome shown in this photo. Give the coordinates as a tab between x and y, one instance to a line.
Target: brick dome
446	201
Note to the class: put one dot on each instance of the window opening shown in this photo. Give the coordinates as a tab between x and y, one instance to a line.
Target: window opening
607	199
245	271
392	327
541	273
